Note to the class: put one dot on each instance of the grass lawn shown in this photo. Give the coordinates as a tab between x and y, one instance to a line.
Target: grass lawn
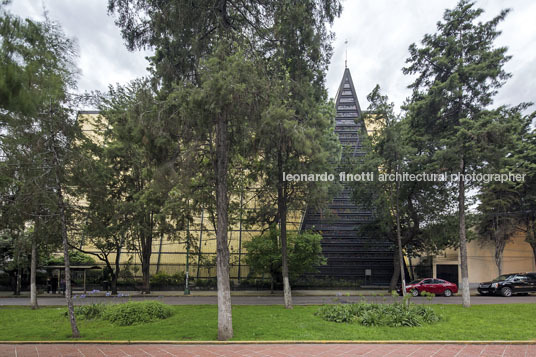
199	322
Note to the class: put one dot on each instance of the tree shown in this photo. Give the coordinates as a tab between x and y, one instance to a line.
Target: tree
137	170
296	134
222	112
265	254
458	72
526	163
519	203
37	72
404	210
105	224
187	37
389	152
499	200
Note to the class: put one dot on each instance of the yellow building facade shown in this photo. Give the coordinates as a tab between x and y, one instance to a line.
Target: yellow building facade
171	255
517	258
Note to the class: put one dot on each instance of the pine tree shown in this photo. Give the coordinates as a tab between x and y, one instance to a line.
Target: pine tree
188	36
458	72
36	73
139	172
297	134
403	210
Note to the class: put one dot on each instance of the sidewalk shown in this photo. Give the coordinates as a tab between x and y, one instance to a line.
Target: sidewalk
177	293
267	350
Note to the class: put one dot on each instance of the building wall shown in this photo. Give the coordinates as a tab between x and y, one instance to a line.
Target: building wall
169	254
517	257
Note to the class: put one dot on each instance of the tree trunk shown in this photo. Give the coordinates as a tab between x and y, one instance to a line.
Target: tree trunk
33	273
225	319
146	252
68	285
282	208
396	272
533	245
531	232
18	275
145	270
18	281
466	297
399	240
500	242
115	274
65	241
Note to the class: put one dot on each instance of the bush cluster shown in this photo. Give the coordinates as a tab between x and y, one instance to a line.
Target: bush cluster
88	312
125	314
371	314
163	279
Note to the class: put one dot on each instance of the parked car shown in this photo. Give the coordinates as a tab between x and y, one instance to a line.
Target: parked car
509	284
430	285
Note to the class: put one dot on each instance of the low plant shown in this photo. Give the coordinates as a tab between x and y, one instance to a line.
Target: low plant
131	312
124	314
372	314
89	311
162	279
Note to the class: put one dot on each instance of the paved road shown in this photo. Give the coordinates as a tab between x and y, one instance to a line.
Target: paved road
269	300
268	350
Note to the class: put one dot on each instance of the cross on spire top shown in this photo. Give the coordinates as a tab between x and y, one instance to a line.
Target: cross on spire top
346	58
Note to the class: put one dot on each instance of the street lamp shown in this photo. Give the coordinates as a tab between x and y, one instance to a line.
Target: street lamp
187	275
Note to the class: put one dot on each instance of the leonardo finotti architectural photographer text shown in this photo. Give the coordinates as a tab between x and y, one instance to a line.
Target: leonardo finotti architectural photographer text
403	176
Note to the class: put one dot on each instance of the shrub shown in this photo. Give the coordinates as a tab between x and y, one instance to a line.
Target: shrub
205	283
367	314
136	312
88	312
163	279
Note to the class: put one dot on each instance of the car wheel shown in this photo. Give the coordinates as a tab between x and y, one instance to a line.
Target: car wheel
415	292
447	293
506	291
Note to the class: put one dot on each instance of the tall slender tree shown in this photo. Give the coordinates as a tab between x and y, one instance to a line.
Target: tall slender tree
297	133
138	161
222	113
37	72
404	211
187	36
458	71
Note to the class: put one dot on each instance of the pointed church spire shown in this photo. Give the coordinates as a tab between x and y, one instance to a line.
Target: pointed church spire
346	99
353	252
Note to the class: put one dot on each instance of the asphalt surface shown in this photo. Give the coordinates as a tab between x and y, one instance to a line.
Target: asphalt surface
266	300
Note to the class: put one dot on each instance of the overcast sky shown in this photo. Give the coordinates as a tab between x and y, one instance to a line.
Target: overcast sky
378	33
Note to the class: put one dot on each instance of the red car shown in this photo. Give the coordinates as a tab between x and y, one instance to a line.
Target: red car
430	285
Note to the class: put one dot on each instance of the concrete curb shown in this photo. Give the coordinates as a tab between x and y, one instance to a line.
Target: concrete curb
277	342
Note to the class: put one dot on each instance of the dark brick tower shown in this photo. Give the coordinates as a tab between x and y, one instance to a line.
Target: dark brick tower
351	254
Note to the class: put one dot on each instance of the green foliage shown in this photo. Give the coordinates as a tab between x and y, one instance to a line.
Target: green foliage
205	283
37	123
369	314
75	257
125	314
304	253
89	312
163	279
136	312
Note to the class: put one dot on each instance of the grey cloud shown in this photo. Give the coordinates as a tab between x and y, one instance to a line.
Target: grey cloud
379	33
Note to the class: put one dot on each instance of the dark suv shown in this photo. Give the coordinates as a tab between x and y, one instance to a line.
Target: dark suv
509	284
